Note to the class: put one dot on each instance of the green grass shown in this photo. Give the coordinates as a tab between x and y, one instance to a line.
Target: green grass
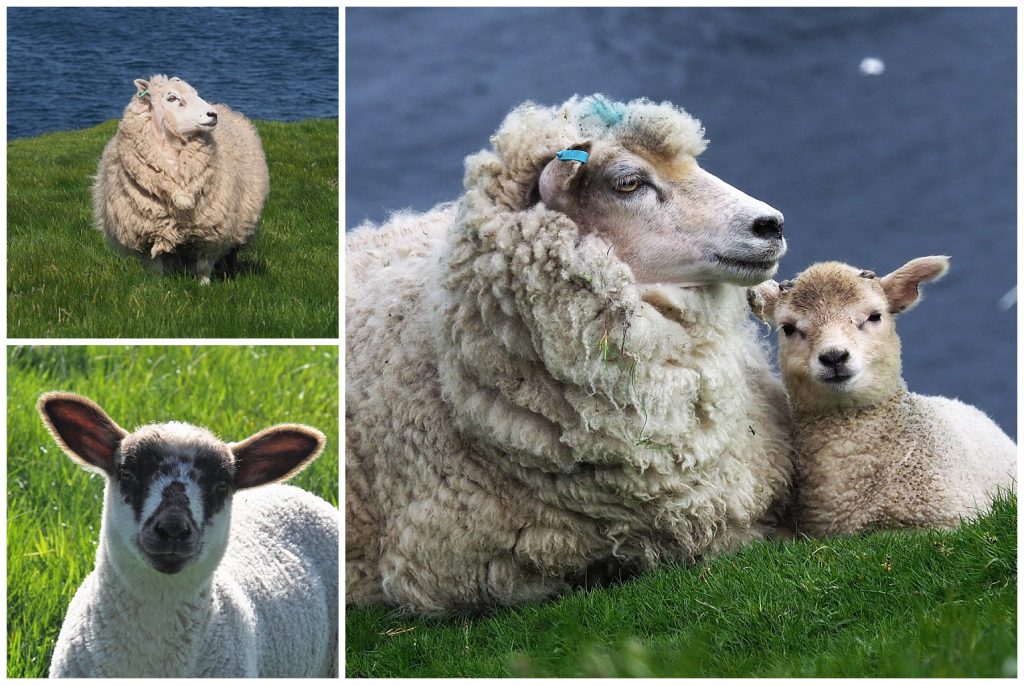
928	603
64	282
53	506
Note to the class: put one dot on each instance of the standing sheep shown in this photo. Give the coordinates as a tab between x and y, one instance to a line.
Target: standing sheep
180	179
869	453
196	574
556	377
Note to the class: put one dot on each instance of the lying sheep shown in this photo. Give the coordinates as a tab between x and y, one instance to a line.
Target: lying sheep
871	454
181	180
197	574
555	381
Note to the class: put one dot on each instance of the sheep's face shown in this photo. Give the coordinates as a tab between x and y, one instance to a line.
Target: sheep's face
668	219
169	486
176	107
838	345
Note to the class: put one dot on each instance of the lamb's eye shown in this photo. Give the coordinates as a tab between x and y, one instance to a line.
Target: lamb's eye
628	185
789	329
876	316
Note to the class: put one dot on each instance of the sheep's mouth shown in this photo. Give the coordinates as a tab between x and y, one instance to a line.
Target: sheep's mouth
746	264
170	563
836	379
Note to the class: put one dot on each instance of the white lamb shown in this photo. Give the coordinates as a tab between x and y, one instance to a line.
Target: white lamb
181	181
197	575
556	380
869	453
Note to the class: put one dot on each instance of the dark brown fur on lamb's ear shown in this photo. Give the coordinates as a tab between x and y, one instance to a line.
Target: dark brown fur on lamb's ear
82	429
275	454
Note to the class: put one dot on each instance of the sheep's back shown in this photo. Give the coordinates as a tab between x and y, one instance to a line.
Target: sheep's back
283	556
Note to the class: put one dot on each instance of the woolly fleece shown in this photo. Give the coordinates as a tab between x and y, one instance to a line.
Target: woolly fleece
517	413
206	204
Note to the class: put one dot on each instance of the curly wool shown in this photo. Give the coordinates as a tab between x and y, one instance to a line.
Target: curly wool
280	569
208	202
519	409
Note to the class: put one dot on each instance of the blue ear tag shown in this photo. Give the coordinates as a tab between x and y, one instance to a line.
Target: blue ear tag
573	156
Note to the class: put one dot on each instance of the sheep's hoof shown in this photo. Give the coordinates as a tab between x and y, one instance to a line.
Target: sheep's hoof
204	280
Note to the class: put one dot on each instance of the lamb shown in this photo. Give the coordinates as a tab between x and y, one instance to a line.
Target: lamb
182	181
199	572
555	382
869	453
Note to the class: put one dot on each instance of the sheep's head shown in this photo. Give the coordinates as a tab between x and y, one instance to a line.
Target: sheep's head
170	485
642	190
838	345
175	106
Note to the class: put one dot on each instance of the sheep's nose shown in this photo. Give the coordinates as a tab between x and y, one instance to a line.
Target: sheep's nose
174	528
212	114
833	357
768	227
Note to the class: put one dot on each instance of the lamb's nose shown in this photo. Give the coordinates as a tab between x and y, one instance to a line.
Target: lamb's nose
833	357
174	528
768	227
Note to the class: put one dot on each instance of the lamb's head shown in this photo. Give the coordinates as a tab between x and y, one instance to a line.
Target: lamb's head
838	345
175	107
642	190
170	485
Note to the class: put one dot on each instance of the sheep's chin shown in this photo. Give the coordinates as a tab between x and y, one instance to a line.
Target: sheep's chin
170	563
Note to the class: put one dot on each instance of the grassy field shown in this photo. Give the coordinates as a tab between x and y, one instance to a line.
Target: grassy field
891	604
63	281
53	506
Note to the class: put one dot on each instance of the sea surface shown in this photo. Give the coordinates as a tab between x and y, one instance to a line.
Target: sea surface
71	68
881	134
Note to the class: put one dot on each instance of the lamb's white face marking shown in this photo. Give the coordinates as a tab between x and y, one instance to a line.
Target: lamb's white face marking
172	489
670	220
178	110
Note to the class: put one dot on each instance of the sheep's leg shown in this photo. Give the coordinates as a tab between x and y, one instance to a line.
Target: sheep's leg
204	268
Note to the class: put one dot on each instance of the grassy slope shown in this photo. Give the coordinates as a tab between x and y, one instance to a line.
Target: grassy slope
891	604
53	506
63	281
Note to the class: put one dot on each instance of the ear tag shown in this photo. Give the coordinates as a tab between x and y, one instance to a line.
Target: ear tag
573	156
144	93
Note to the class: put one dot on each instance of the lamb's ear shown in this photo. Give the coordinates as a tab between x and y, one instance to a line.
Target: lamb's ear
559	176
141	88
82	429
275	454
902	285
762	299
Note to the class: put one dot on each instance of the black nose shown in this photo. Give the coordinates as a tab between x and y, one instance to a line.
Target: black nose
174	527
833	357
212	115
767	227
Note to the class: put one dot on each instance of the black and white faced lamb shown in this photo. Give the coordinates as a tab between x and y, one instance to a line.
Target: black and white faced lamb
199	571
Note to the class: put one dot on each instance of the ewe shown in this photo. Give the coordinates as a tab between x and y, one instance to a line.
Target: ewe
182	181
192	579
870	454
556	378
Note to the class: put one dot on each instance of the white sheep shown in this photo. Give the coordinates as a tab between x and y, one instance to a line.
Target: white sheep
182	181
197	575
869	453
556	379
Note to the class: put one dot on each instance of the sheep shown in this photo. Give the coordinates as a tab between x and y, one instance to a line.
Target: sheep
554	381
182	181
198	571
870	454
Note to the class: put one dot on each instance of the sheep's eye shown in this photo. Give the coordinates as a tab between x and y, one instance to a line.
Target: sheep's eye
172	98
628	185
876	316
789	329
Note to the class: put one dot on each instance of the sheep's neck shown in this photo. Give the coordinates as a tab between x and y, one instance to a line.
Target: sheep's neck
168	146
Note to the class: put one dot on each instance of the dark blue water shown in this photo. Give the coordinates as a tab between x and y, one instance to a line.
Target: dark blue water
73	68
870	169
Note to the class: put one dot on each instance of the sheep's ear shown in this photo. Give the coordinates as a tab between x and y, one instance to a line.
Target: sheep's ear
902	285
275	454
762	300
141	86
559	176
82	429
